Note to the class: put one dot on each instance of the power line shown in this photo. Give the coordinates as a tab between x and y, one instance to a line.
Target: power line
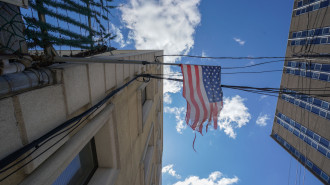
257	90
237	58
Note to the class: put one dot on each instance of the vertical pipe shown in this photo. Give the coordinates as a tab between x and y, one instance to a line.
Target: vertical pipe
90	21
46	44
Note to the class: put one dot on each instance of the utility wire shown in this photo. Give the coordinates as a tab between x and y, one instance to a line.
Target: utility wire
237	58
267	90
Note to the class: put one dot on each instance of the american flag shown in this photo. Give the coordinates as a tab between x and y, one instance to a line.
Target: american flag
202	90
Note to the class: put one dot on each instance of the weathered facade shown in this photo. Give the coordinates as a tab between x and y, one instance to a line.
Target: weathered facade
302	120
120	143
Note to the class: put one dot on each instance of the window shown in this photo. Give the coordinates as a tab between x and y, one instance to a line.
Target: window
324	40
294	35
148	155
143	95
81	168
80	153
147	93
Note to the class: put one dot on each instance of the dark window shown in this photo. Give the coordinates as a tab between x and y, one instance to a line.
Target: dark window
316	6
317	41
322	150
304	97
328	39
143	95
310	33
304	34
299	3
308	74
325	105
318	31
322	113
297	125
81	168
309	133
325	67
298	12
314	145
303	42
315	110
316	137
309	8
302	159
323	77
296	133
303	10
324	4
293	43
317	102
324	40
294	35
324	142
302	105
307	140
316	170
299	34
326	31
291	100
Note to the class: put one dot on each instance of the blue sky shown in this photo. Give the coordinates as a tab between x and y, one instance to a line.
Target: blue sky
241	151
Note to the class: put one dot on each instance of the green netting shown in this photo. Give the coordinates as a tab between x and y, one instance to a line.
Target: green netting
44	34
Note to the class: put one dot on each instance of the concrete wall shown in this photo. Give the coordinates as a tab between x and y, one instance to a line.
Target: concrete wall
29	115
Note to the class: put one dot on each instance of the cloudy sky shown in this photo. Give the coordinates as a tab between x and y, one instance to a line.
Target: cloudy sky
241	151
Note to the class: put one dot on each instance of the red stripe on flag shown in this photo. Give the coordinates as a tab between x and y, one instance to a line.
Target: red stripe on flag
199	93
215	115
193	98
211	110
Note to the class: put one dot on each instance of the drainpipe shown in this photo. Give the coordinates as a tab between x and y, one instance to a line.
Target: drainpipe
13	67
18	82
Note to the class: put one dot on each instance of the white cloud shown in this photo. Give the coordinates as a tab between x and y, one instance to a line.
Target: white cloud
262	97
167	25
239	41
119	36
204	54
262	119
215	178
233	115
167	98
171	86
163	24
169	169
179	116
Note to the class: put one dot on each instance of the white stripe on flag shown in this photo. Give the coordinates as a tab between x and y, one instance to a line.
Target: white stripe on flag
187	93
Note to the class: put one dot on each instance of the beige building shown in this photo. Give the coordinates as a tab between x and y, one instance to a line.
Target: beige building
302	120
121	143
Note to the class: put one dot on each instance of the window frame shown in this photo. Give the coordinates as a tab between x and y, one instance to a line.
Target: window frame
107	171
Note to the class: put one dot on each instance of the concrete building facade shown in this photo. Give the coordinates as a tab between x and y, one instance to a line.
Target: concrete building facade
120	143
302	119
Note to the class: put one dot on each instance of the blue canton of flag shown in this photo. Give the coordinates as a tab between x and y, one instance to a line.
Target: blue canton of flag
212	83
